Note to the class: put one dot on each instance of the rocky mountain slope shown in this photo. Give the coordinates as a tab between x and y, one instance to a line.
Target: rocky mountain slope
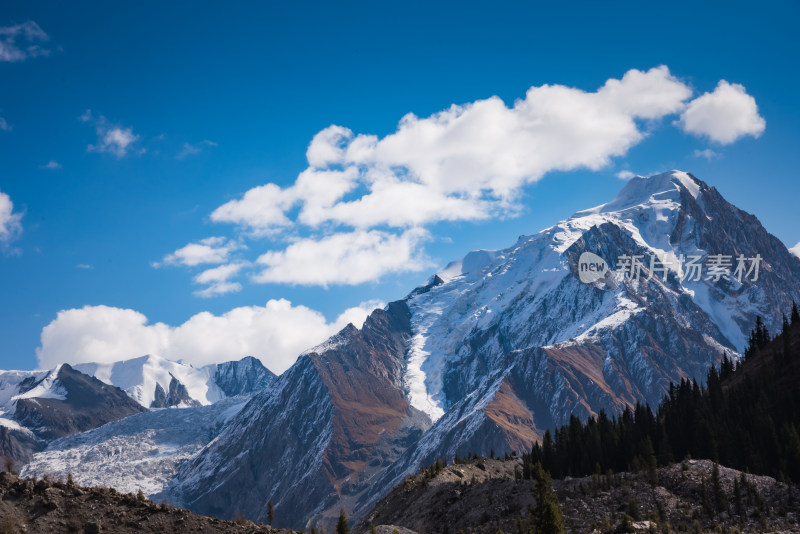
500	346
40	406
29	505
485	495
517	343
322	430
37	407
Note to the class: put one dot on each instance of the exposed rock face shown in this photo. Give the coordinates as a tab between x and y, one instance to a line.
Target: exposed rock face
485	495
87	403
248	375
498	347
178	396
316	435
18	445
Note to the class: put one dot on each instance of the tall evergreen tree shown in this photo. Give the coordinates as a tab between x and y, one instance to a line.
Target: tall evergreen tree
270	512
547	518
341	526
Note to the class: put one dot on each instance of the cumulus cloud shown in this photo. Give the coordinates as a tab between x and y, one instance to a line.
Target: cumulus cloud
464	163
275	333
363	196
724	115
344	258
218	282
22	41
795	250
10	221
207	251
51	165
111	138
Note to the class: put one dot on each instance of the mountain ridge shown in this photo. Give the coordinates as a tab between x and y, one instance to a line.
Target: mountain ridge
502	345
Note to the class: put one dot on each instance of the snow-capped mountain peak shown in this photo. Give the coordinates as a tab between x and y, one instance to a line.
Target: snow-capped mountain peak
520	291
155	382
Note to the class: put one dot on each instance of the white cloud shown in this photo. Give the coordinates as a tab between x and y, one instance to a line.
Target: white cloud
22	41
10	222
795	250
706	153
189	149
84	266
464	163
50	165
361	208
344	258
275	333
625	175
723	116
217	289
111	138
207	251
4	126
218	280
260	208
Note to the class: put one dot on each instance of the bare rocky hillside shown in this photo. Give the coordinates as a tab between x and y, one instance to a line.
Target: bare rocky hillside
51	507
484	495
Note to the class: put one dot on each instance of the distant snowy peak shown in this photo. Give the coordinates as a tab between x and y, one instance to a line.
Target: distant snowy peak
155	382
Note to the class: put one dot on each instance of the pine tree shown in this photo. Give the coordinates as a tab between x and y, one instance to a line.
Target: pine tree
795	314
720	502
547	516
341	526
270	512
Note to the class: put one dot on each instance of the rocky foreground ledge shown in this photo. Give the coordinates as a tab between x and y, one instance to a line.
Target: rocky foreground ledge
46	506
483	496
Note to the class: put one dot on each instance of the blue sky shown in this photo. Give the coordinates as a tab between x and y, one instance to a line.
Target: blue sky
129	131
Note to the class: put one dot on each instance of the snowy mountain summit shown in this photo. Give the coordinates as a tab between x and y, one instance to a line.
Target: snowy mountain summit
155	382
500	346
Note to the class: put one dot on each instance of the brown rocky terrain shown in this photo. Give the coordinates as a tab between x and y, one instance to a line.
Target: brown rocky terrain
44	506
89	403
484	495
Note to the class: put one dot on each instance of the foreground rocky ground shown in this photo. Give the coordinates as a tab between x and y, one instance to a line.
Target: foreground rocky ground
43	506
485	495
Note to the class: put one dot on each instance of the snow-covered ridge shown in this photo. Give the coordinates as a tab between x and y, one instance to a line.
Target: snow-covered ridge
15	385
147	379
139	378
656	214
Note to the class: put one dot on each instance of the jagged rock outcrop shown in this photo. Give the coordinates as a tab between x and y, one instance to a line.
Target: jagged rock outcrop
248	375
